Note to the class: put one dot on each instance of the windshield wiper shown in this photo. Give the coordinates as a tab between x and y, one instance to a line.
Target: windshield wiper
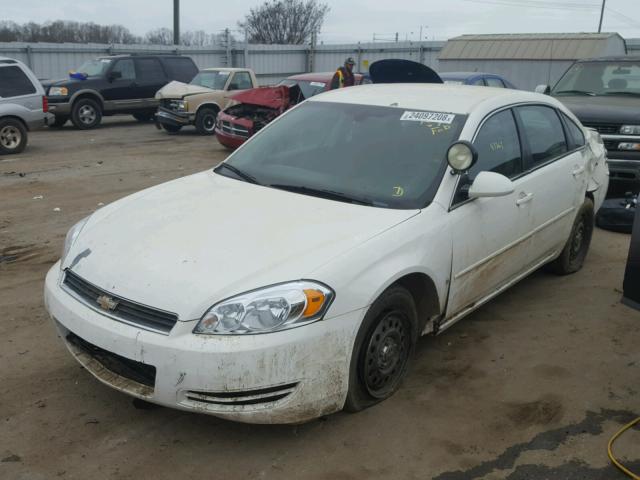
575	92
634	94
245	176
328	194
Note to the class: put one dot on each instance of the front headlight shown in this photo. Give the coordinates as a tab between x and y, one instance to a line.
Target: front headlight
72	234
58	92
630	129
269	309
182	105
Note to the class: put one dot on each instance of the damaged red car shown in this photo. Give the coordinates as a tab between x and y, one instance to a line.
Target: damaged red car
259	106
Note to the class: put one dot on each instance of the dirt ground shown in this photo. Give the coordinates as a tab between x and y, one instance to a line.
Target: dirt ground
529	387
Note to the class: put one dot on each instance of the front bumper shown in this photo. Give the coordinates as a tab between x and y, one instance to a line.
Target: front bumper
176	119
285	377
624	170
59	108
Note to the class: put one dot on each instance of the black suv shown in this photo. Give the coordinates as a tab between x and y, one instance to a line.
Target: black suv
604	93
115	84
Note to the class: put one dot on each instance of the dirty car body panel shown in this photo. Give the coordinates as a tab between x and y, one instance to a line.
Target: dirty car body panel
135	309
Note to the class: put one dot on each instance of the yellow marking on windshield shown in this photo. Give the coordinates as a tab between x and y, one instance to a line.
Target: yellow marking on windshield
398	191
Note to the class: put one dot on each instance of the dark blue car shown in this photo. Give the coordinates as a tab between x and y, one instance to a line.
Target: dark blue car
476	78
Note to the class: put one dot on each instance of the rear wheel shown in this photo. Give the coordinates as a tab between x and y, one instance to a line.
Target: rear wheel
575	250
206	121
382	349
13	136
171	128
86	114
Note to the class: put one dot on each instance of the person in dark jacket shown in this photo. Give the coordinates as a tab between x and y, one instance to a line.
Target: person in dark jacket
344	75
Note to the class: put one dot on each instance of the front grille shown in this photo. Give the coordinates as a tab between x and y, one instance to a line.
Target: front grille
244	397
170	104
232	129
611	144
136	371
606	128
146	317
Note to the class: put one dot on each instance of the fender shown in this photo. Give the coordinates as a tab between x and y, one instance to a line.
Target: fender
87	91
208	104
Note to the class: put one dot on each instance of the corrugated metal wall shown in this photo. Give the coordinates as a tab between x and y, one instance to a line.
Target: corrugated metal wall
274	62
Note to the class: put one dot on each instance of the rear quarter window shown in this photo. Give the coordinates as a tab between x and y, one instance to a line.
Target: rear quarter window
574	133
181	69
14	82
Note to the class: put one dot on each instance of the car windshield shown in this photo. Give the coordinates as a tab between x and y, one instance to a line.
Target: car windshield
600	78
94	68
381	156
307	87
213	80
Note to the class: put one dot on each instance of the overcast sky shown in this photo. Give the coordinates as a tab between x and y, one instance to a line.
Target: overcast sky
352	20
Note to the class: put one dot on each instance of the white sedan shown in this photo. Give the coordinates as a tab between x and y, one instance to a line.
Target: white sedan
294	279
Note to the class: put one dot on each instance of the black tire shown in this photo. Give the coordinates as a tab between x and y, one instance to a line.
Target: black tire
171	128
382	350
575	250
206	121
144	117
13	136
58	122
86	114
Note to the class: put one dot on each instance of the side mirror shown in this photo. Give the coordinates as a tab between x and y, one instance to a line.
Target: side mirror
114	76
490	184
544	89
461	156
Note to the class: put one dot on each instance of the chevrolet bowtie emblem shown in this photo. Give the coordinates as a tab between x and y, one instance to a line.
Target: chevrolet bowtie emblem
107	303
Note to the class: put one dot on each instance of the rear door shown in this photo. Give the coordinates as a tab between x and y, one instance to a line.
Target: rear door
151	77
556	168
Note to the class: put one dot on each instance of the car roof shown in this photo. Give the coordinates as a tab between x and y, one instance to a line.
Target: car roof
615	58
461	99
224	69
317	76
9	61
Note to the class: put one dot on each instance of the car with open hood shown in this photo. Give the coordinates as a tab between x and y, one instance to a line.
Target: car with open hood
199	102
294	279
604	93
252	110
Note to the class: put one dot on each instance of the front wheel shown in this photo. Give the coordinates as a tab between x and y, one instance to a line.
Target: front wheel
171	128
206	121
86	114
58	122
382	349
13	136
144	117
575	250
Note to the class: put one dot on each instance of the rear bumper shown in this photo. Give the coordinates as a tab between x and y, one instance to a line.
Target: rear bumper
284	377
44	120
168	117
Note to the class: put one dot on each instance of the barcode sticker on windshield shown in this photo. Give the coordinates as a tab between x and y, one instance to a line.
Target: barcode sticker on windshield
318	84
435	117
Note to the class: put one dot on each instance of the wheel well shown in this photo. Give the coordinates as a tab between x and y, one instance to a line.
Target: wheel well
13	117
425	296
91	97
590	196
208	105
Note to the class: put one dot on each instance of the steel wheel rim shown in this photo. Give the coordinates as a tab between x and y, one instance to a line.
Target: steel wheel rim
209	122
578	238
87	114
10	137
386	355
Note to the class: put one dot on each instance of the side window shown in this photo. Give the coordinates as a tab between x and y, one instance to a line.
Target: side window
576	137
494	82
181	69
14	82
499	151
149	70
125	67
241	81
544	132
479	82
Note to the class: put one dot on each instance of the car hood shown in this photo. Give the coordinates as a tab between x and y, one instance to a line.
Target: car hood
70	82
187	244
279	97
396	70
177	89
603	109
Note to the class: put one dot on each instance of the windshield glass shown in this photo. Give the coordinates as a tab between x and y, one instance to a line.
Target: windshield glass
600	78
384	156
308	88
212	80
94	68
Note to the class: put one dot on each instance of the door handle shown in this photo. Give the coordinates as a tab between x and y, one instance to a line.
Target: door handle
524	198
578	170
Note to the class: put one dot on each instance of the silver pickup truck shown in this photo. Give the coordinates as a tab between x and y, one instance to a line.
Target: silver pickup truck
23	105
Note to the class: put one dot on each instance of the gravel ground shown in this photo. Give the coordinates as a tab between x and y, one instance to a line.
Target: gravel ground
531	386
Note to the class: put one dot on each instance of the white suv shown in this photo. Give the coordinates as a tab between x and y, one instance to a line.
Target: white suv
23	105
294	279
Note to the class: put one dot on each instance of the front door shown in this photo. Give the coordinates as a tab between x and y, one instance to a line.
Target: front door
119	91
490	235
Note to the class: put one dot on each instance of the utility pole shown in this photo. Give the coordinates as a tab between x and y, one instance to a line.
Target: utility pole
601	16
176	22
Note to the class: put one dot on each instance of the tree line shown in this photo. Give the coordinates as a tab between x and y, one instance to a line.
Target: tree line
275	21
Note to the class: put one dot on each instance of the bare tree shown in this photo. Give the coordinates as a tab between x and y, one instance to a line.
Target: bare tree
159	36
65	31
284	21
